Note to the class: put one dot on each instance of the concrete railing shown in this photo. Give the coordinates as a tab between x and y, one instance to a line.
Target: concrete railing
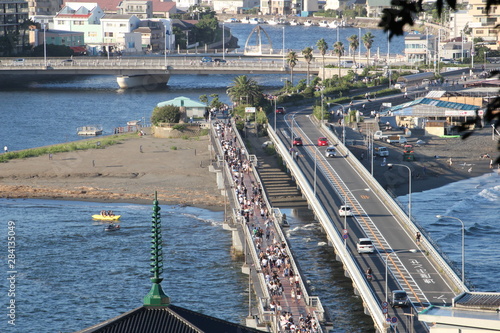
396	210
334	235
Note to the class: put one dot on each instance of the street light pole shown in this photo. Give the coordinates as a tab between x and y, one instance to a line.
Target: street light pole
387	266
409	186
223	42
463	242
283	51
45	45
166	33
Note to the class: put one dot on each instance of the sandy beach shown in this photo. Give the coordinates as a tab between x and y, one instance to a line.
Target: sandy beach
127	172
178	169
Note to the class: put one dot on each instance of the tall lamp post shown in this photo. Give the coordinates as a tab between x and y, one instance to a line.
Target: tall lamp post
166	33
463	242
390	165
345	212
223	42
387	266
44	45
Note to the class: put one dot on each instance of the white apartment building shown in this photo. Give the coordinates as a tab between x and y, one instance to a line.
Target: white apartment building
81	16
483	25
117	32
420	48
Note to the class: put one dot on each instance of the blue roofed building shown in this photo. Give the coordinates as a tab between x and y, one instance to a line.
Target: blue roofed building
437	117
192	108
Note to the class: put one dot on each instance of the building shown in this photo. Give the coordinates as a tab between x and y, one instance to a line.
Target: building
160	8
374	7
437	117
483	25
157	314
420	48
459	22
83	17
235	6
156	35
456	48
192	108
13	13
118	33
141	9
44	7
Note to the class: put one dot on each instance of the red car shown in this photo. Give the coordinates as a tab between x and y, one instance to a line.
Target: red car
280	109
297	141
322	141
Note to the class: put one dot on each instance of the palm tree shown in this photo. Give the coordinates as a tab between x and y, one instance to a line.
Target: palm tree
368	42
338	49
244	87
291	60
322	47
308	57
353	46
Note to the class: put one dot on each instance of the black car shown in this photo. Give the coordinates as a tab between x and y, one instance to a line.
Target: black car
222	61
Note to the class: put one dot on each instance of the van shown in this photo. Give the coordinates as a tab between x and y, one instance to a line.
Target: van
381	151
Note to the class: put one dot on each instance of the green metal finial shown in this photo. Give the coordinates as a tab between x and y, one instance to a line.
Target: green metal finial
156	296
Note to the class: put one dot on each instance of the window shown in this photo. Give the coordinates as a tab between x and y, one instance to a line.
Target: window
79	23
122	25
92	34
108	34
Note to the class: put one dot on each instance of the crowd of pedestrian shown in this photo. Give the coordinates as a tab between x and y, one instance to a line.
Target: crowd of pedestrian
274	259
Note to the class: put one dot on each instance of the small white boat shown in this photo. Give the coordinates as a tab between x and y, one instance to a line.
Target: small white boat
323	23
333	25
272	21
295	22
231	20
309	23
89	130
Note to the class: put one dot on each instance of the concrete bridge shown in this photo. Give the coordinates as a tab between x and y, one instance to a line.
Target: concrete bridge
140	71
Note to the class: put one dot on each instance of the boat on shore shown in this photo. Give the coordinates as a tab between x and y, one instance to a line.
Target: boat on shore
106	217
89	130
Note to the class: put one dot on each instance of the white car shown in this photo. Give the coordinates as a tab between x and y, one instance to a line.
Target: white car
365	245
330	152
345	211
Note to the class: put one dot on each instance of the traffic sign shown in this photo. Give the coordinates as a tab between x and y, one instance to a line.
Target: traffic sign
388	319
344	231
345	236
385	304
394	320
384	311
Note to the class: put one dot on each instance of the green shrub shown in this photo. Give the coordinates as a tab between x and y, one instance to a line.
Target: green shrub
173	148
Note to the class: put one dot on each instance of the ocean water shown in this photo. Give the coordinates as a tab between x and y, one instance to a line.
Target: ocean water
476	202
71	274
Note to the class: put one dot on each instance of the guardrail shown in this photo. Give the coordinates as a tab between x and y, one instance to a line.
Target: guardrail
334	236
426	242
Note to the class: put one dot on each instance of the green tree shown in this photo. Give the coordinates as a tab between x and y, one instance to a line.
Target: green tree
244	88
165	114
322	47
215	103
308	57
353	46
339	50
368	39
204	99
291	60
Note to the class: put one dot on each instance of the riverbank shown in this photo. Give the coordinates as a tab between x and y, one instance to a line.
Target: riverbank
126	172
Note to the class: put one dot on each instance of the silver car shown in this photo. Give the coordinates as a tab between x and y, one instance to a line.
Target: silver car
330	152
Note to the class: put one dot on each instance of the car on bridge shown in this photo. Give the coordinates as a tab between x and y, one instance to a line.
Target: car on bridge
399	298
365	245
297	141
18	61
322	141
219	61
330	151
281	110
345	211
206	59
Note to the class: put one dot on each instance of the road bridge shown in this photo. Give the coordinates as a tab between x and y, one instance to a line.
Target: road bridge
399	262
139	71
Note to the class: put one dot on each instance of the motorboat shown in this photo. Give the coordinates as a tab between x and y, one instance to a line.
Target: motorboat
89	130
112	227
106	217
308	23
295	22
333	25
273	21
323	23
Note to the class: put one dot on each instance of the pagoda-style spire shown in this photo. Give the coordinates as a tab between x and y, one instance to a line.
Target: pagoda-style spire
156	296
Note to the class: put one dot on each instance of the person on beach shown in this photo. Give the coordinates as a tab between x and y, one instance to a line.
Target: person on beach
5	149
417	237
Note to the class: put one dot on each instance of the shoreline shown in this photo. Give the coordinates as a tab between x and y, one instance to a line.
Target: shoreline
178	169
